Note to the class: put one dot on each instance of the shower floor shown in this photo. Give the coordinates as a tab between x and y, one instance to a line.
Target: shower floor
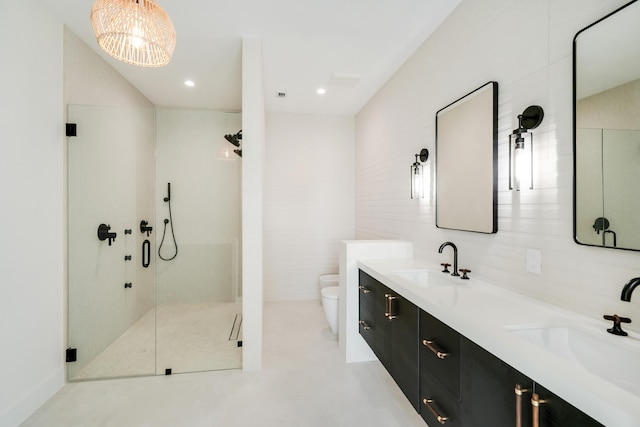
183	338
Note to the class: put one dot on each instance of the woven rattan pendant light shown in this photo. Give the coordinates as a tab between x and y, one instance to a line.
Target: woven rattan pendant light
135	31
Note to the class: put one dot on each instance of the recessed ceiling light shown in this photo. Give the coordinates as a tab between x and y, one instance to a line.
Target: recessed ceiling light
189	83
321	91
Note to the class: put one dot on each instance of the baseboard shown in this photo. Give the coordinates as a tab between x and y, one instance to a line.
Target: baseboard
37	397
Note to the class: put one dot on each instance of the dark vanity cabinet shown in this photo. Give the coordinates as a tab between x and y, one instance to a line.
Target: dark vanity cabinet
449	379
493	393
389	324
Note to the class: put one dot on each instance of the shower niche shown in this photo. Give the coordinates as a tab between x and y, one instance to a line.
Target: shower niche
163	294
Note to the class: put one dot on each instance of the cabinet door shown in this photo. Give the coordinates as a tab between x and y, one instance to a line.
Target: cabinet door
489	396
404	366
440	352
555	412
389	324
488	390
374	326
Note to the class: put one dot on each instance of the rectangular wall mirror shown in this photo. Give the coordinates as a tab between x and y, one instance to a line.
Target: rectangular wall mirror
606	66
466	162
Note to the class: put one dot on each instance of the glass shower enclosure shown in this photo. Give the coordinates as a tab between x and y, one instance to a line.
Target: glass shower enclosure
154	222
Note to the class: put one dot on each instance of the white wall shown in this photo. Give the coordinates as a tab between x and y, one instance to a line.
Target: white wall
253	148
309	201
31	247
527	48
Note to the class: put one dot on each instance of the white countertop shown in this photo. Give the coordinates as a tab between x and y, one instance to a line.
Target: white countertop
482	312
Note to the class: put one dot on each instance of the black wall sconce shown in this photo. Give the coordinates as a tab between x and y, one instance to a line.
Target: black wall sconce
417	175
521	148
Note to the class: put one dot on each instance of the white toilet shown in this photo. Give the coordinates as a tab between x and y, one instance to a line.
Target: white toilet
329	290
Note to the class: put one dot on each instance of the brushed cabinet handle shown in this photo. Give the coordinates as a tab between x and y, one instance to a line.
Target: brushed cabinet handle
364	325
388	312
364	289
435	349
519	391
429	404
535	406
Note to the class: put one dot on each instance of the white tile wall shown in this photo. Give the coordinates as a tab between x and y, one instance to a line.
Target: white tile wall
526	47
308	201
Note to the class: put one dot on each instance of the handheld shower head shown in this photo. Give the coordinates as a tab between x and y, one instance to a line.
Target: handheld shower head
168	198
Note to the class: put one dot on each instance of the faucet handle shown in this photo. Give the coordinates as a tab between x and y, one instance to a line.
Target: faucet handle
446	267
464	273
616	329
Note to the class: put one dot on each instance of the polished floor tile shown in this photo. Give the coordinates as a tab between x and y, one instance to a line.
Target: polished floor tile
304	382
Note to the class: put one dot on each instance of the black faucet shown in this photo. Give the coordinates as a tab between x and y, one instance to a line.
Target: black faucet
455	256
628	288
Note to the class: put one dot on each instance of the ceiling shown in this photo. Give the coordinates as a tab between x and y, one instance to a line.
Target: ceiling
348	47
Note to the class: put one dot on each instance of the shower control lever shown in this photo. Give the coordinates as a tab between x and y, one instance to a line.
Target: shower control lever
127	285
104	234
145	227
127	257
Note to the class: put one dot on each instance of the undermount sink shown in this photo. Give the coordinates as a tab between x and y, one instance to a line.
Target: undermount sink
616	362
422	277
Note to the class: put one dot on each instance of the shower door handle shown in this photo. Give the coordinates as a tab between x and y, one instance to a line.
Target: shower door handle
146	253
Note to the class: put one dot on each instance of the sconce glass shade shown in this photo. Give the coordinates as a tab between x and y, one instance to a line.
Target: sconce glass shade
417	181
521	148
521	160
137	32
417	175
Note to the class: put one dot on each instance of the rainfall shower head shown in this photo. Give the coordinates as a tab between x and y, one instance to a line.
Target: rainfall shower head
234	139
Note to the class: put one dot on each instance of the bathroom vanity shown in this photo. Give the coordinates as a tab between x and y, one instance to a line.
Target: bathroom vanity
468	353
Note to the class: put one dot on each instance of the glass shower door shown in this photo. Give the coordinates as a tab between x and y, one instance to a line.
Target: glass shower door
154	242
111	294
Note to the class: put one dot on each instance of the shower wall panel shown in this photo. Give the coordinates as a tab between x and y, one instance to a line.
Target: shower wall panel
192	155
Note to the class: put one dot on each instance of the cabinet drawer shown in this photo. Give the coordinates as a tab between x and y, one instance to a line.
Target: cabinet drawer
440	352
436	401
371	293
374	331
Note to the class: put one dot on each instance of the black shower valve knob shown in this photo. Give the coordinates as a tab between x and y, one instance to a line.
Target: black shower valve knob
104	233
145	227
